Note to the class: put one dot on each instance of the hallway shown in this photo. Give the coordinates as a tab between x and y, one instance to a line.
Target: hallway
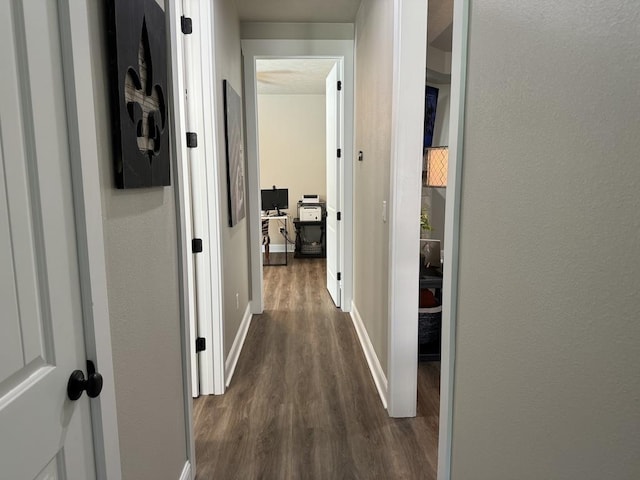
302	403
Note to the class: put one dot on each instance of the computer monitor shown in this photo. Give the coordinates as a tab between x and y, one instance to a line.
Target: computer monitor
274	199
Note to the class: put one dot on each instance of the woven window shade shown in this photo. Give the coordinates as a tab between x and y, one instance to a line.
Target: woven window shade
435	167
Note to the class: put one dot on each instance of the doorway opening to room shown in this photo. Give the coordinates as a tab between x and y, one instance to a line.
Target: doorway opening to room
434	188
299	114
292	152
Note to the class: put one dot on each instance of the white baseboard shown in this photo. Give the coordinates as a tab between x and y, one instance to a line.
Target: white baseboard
379	378
236	348
279	248
186	472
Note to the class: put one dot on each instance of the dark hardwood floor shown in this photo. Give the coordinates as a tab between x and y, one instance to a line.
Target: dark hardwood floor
302	403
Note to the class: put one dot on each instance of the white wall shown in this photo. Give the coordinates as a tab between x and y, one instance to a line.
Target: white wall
291	132
374	64
548	337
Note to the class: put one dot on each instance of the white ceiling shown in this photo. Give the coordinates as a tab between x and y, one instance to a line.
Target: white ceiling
293	76
307	76
320	11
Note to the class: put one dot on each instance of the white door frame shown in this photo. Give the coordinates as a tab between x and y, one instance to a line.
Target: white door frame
338	49
409	70
173	11
452	232
198	194
208	142
81	115
409	34
177	52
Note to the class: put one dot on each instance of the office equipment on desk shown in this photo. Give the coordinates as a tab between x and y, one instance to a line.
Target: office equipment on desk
310	198
274	199
309	213
310	230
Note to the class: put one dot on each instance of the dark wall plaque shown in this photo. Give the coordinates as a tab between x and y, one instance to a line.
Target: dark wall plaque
139	93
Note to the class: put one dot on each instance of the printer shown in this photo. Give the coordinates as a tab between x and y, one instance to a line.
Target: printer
310	208
309	213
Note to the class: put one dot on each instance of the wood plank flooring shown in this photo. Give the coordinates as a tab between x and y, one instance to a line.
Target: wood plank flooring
302	403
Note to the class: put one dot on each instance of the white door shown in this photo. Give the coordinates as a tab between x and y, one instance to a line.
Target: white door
333	185
43	434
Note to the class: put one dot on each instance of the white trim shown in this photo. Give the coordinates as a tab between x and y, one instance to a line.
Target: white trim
340	50
182	183
203	161
409	67
375	368
186	470
238	342
210	145
74	26
279	248
452	232
173	9
198	188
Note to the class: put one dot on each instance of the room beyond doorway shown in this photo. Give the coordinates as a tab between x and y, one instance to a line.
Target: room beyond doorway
291	118
337	53
299	108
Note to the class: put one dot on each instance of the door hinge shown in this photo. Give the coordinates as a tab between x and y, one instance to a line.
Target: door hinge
339	153
339	85
201	344
186	25
339	215
192	139
196	245
339	276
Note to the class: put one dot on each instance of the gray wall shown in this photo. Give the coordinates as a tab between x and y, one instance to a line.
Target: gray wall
548	337
235	245
374	36
144	305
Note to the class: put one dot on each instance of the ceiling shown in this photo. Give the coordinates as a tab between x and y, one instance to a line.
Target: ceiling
440	26
319	11
307	76
294	76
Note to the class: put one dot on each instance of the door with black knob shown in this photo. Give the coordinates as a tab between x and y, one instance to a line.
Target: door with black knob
78	383
43	435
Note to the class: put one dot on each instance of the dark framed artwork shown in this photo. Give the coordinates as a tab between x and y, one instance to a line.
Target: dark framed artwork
430	104
138	70
234	146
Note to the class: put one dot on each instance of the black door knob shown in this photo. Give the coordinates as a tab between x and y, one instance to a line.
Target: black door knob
78	384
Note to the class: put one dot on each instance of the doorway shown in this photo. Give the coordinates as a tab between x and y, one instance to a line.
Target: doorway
341	54
299	134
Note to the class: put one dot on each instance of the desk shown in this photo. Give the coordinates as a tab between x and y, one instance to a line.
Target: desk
286	241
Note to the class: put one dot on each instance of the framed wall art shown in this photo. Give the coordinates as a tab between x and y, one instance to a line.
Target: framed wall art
235	154
138	71
430	104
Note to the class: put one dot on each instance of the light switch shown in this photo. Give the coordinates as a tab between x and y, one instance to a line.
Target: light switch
384	211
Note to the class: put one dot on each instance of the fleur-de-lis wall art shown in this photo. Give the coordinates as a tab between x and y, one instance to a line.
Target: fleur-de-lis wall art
139	86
